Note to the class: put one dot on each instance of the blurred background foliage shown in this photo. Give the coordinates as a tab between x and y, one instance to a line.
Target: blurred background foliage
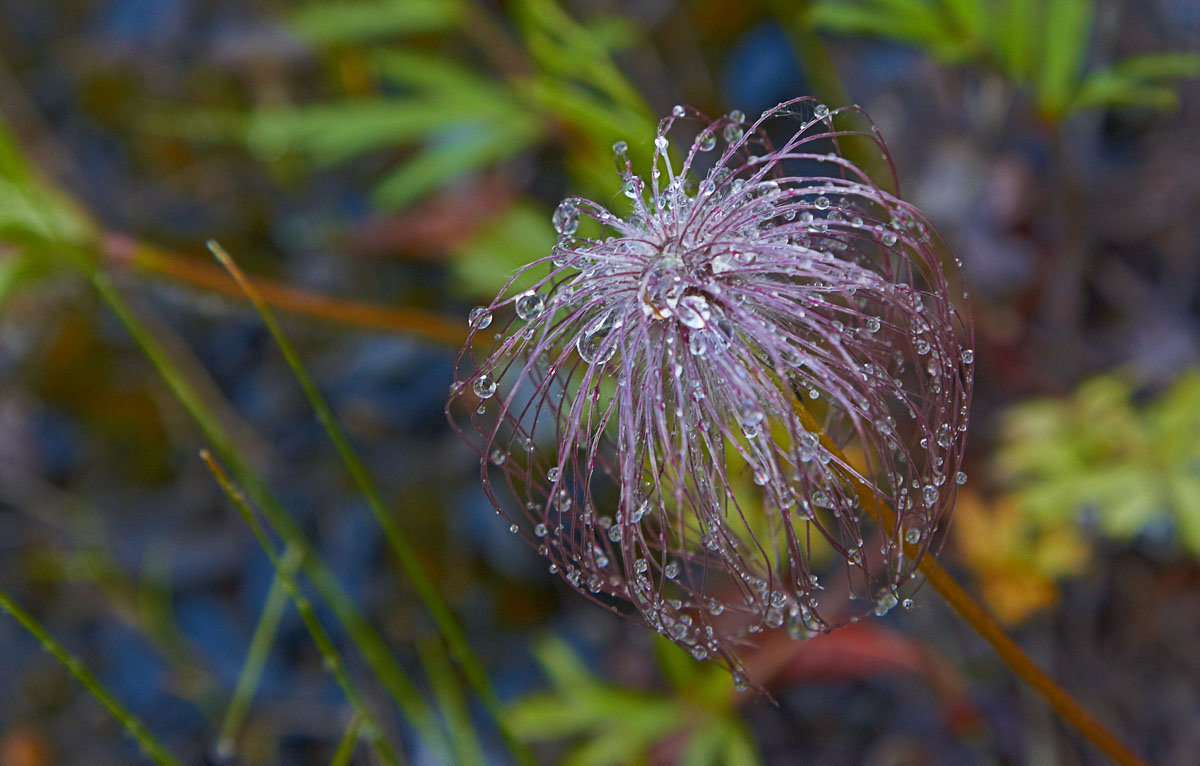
379	165
1040	45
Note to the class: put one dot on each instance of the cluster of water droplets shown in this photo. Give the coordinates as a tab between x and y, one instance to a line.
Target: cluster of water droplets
664	412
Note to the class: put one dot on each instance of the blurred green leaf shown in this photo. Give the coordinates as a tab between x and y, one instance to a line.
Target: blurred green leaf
908	21
613	725
1064	47
1132	465
1160	66
1016	24
326	22
442	116
36	223
564	667
970	17
451	155
451	702
436	77
332	133
484	264
1136	82
1040	45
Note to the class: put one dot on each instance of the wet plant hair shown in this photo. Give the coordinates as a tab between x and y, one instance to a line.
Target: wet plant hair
654	402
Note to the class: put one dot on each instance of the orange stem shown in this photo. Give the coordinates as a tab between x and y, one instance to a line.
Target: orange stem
979	619
421	324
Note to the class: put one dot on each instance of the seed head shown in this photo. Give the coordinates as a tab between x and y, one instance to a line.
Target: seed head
641	414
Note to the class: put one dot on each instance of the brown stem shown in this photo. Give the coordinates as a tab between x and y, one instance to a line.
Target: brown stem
191	271
979	619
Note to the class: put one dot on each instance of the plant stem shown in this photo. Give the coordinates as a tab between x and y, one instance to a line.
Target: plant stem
285	570
447	623
978	618
256	658
410	321
370	644
75	667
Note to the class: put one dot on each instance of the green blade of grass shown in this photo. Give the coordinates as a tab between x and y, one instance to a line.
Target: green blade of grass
285	568
1064	48
366	639
345	749
453	706
131	723
446	621
256	658
369	643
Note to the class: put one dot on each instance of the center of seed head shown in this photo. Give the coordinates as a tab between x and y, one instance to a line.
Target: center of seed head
664	293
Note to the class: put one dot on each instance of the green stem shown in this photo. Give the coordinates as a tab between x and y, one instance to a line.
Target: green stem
345	749
285	569
256	657
446	621
368	641
75	667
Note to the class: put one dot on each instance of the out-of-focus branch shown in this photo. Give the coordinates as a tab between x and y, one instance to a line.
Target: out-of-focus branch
122	250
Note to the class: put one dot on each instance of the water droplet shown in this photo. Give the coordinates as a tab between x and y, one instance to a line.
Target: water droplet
529	305
856	221
733	132
943	435
693	312
630	188
907	604
563	503
929	494
749	414
740	682
513	528
912	536
820	111
661	143
968	356
619	156
479	318
873	324
922	346
671	570
593	345
766	188
484	386
885	604
821	202
553	474
960	478
887	238
498	457
566	218
641	511
706	141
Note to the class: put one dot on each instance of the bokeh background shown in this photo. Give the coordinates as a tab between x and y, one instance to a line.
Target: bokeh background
380	166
